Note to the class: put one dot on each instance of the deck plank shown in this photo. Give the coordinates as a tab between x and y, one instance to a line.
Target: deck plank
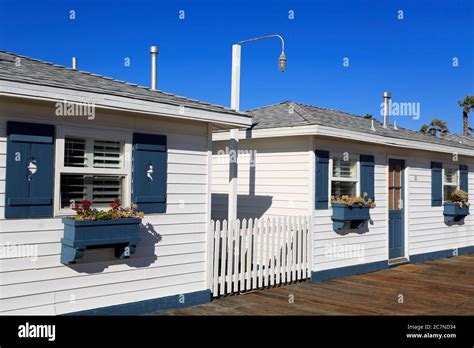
440	287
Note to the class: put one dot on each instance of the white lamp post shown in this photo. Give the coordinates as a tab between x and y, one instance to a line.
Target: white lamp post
235	104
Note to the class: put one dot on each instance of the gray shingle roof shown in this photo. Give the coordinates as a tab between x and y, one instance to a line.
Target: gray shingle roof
292	114
34	71
462	139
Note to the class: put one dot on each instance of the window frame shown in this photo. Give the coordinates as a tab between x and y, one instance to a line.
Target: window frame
96	134
332	178
456	185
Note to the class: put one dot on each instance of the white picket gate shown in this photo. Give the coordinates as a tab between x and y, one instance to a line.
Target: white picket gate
256	253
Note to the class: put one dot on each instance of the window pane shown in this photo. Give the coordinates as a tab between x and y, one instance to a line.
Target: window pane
100	190
105	189
391	198
340	188
74	152
398	198
450	176
92	153
343	169
73	189
398	175
107	154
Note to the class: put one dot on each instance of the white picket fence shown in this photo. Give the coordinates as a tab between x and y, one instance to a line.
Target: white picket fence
258	253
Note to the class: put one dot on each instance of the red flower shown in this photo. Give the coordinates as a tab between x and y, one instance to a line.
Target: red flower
116	204
85	204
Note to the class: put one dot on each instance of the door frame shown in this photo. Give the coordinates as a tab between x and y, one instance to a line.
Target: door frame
406	188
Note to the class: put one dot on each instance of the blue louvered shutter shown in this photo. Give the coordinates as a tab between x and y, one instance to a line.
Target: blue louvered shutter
322	179
30	170
367	165
463	177
436	184
149	172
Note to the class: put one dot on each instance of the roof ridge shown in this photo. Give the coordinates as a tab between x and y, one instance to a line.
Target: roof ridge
343	112
329	109
302	112
303	105
120	81
267	106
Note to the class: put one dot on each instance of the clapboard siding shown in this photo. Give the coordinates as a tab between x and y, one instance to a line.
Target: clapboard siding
171	260
110	300
173	274
278	185
427	230
102	262
90	281
370	246
25	276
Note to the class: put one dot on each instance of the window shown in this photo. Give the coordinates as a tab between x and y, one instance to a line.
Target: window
75	153
100	190
451	182
395	185
93	169
344	177
92	153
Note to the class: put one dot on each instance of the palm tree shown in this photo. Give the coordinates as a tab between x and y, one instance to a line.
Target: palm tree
467	105
369	117
425	129
436	126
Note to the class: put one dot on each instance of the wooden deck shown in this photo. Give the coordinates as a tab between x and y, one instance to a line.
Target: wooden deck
441	287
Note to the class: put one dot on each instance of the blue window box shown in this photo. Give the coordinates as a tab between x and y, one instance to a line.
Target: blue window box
454	213
122	234
349	217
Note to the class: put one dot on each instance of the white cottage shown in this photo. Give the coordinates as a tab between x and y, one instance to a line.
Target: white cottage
66	135
296	156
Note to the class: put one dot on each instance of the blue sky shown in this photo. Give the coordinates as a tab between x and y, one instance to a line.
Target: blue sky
412	57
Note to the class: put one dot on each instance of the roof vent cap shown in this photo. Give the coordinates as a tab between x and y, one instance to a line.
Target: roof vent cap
386	107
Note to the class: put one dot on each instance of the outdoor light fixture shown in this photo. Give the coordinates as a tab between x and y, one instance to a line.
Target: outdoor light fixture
235	88
282	59
282	62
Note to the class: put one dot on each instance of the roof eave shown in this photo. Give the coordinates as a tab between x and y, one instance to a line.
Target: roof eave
106	101
346	135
